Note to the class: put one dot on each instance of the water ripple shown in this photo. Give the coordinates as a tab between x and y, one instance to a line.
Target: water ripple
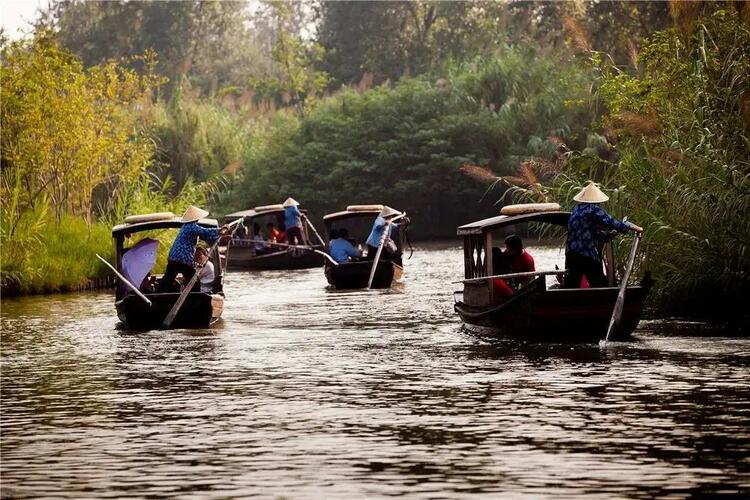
307	392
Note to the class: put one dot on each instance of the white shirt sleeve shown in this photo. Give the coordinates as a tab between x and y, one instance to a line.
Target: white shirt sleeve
207	277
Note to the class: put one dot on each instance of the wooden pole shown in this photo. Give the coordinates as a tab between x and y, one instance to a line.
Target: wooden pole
306	247
125	280
513	275
314	230
617	311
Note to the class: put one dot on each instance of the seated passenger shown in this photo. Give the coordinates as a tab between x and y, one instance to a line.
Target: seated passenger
205	268
275	234
340	247
500	265
520	260
259	243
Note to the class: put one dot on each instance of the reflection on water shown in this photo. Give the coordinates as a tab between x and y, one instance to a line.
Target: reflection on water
307	392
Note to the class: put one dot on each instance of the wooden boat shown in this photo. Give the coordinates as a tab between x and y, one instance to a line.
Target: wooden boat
200	309
352	275
241	252
536	310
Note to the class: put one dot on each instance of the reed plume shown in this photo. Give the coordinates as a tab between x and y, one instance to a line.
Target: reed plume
577	34
482	174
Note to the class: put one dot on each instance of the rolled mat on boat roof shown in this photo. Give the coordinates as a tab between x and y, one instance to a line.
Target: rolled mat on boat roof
529	208
269	208
364	208
135	219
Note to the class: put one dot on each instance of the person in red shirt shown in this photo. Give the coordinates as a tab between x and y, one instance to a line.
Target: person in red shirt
500	265
520	260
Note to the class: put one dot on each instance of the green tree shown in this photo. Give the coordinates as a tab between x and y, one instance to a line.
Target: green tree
208	41
66	130
405	145
294	78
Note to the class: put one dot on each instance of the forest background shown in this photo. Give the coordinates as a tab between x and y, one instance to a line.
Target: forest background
442	109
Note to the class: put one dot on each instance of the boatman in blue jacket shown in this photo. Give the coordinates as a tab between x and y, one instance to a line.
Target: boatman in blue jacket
292	222
376	234
588	227
181	255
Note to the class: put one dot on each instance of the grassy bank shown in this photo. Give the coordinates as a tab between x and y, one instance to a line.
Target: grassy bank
54	256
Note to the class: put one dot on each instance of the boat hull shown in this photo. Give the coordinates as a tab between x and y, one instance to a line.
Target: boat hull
559	315
354	275
245	258
200	310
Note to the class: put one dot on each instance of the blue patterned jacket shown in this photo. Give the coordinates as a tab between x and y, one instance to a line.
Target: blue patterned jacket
585	229
183	247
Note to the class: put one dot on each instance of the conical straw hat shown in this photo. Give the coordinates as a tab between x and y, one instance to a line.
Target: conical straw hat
591	194
388	212
290	202
193	213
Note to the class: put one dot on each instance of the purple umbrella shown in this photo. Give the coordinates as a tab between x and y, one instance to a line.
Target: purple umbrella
138	261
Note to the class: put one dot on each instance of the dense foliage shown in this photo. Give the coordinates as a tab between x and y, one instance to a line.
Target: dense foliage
404	145
73	150
681	132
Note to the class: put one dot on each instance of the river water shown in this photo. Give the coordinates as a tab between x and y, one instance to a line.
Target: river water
302	392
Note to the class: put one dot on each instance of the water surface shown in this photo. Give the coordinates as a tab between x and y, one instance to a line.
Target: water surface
302	392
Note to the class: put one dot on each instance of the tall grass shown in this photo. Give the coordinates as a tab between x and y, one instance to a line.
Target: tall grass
62	257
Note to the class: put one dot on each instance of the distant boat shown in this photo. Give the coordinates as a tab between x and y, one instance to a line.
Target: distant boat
358	219
536	310
200	309
244	252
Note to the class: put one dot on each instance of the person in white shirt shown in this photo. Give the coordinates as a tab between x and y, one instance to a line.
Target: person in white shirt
205	269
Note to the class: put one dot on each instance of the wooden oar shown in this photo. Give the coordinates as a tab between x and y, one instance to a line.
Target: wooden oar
125	280
189	287
306	247
315	231
383	239
617	312
513	275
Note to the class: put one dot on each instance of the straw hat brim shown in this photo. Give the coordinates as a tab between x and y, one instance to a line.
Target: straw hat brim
388	212
193	214
591	194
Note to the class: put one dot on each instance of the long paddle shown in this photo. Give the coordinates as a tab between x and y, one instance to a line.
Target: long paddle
617	312
383	238
314	230
125	280
306	247
189	287
512	275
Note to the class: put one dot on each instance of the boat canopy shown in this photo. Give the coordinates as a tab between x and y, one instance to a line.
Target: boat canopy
256	212
165	223
354	211
487	225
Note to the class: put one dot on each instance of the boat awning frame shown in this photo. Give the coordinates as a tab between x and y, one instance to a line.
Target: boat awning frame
558	218
176	223
346	214
252	213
